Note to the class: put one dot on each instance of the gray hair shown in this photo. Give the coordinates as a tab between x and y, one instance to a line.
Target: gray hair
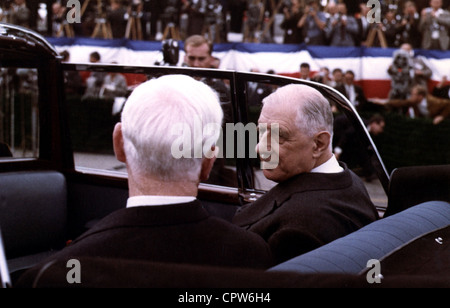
148	120
313	109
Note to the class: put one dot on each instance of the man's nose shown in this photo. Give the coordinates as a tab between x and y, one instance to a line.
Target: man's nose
263	147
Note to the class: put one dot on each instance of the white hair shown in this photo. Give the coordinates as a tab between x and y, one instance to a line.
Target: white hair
148	119
313	109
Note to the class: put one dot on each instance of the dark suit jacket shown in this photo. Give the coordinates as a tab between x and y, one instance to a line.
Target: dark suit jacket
307	211
359	95
180	233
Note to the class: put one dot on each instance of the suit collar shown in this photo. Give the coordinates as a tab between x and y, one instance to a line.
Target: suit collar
148	216
274	198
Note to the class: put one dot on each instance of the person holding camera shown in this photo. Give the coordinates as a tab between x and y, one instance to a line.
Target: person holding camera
400	72
408	27
421	73
313	24
435	25
407	71
20	13
342	30
292	14
116	18
201	14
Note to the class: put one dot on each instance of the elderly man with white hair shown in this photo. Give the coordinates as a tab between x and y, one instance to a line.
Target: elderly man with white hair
163	221
317	199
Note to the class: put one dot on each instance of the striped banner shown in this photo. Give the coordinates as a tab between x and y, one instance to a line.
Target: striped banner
370	65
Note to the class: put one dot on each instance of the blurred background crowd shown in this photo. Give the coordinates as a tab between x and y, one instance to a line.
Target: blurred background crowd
423	24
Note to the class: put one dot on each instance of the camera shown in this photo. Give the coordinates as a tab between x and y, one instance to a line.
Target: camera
401	60
171	53
400	75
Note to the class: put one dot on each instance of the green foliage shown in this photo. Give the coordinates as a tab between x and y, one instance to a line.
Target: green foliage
413	142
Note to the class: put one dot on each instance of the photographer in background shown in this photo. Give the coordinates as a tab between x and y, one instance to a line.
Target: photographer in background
313	23
202	14
116	18
420	73
19	13
408	28
236	10
170	18
407	71
400	72
343	30
435	25
151	14
293	12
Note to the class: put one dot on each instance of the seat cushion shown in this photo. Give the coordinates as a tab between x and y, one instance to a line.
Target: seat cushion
409	186
350	254
33	212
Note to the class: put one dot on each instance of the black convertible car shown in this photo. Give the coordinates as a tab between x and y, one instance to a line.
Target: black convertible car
56	162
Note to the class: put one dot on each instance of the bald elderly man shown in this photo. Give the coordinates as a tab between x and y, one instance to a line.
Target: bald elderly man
317	199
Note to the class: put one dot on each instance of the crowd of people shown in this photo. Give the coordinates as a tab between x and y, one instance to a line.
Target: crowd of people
316	200
423	24
409	76
314	24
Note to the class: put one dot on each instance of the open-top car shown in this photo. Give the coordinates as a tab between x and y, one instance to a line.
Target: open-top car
59	176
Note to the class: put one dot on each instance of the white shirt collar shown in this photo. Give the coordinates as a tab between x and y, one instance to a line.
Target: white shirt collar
157	200
330	166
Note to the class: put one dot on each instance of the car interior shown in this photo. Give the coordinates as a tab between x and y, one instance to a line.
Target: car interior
59	177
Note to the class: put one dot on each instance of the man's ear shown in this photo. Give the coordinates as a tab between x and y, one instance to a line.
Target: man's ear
322	142
208	163
118	143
